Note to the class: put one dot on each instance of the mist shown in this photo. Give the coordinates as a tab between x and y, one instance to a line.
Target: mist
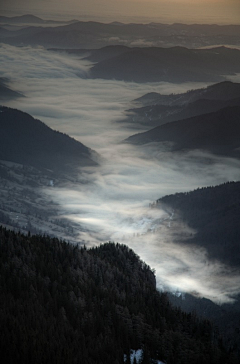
114	204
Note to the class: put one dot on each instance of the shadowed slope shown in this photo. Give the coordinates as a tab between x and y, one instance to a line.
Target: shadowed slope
26	140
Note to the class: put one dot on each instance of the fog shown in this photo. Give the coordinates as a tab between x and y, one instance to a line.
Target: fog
114	204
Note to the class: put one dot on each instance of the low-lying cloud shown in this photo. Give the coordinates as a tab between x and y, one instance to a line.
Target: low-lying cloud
59	93
114	205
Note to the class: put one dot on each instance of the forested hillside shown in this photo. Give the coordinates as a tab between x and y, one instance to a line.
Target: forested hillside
217	132
213	212
226	317
157	109
62	303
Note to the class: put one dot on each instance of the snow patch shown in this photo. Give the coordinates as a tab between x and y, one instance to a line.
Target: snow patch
137	354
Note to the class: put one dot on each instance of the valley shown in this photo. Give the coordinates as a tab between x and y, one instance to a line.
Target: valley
127	134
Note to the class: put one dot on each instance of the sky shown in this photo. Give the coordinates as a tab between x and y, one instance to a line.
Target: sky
114	205
188	11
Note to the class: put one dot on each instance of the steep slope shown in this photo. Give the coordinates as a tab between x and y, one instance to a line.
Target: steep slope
214	213
217	132
6	93
28	141
65	304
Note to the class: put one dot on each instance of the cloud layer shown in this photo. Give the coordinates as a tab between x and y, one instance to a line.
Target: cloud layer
114	205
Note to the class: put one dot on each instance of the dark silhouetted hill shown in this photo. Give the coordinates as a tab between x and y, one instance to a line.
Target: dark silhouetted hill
175	64
160	109
223	91
217	132
98	55
28	141
63	303
156	115
214	213
7	93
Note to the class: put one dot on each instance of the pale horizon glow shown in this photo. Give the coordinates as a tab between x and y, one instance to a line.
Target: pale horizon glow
186	11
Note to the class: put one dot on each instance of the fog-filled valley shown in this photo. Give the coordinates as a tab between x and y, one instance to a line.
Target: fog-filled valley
111	140
111	200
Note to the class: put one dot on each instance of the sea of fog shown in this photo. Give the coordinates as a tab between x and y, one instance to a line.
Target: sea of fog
114	204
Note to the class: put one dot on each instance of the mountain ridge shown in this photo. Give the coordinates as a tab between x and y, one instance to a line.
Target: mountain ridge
30	18
174	64
158	109
29	141
92	34
91	306
217	132
224	90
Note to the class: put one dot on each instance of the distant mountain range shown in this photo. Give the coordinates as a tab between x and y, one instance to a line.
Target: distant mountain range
159	109
29	141
30	19
96	35
175	64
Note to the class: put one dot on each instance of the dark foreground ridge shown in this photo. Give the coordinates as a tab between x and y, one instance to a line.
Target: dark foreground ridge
65	304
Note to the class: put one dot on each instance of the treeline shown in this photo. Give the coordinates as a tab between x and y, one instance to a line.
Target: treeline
61	303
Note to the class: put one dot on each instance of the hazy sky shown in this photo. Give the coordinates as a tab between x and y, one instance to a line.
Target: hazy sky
201	11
